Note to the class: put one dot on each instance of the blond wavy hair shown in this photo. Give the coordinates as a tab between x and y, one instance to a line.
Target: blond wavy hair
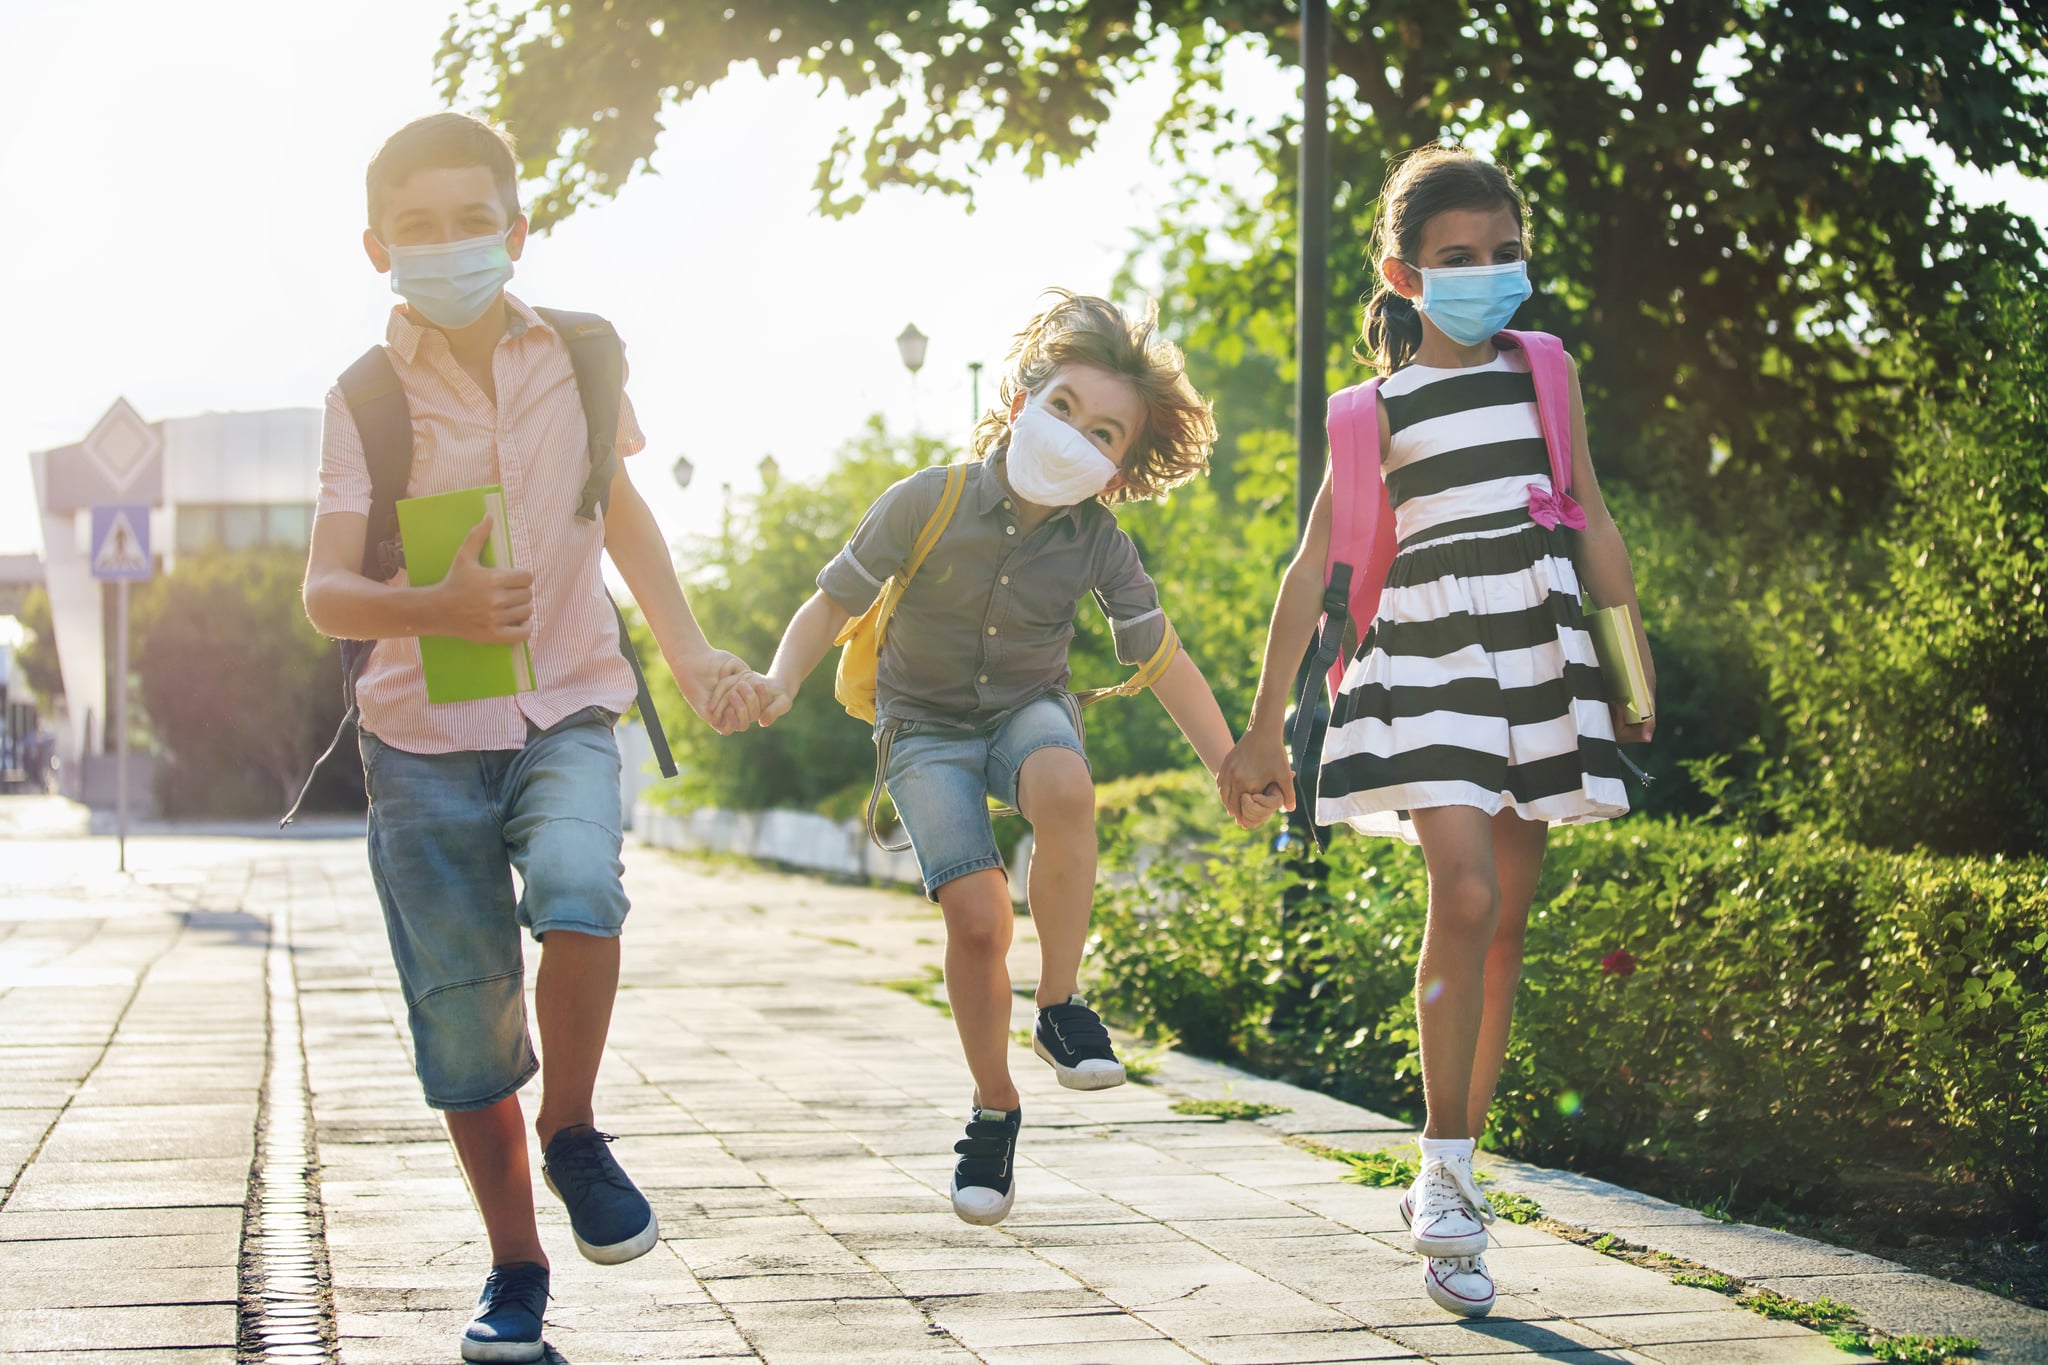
1079	329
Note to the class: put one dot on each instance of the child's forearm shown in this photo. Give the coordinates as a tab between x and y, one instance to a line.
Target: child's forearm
808	639
1185	694
633	539
1610	579
1295	613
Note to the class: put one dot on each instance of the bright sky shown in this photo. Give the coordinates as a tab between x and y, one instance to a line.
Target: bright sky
186	209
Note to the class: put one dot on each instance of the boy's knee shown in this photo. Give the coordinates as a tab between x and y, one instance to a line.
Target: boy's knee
1055	788
979	916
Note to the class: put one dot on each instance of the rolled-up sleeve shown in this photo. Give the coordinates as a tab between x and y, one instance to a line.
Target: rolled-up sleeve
344	473
881	544
1129	599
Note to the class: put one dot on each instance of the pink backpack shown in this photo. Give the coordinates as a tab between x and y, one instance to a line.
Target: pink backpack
1362	538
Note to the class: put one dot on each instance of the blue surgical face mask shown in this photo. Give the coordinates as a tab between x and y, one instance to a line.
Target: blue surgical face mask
451	283
1470	303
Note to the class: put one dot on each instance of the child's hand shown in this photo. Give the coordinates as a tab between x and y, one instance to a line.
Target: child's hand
1256	768
1255	807
723	691
780	697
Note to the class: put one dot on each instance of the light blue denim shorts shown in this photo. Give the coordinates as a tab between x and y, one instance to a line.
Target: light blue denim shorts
447	833
940	779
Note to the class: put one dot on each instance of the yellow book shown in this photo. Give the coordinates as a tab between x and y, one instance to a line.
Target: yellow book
1621	664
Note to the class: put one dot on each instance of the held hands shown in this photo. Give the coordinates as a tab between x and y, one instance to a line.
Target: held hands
477	602
721	689
1255	779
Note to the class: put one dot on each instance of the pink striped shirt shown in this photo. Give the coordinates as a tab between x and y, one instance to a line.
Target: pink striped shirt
533	442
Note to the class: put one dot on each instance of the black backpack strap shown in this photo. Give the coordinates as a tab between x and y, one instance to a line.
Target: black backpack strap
383	418
1310	721
599	361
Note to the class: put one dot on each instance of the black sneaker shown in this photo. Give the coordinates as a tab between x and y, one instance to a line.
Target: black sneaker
612	1220
507	1323
984	1179
1072	1038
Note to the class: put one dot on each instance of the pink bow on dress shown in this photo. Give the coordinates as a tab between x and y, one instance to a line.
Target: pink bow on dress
1551	510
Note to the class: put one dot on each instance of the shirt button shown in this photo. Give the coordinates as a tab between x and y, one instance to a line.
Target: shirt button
1006	580
1009	530
991	630
982	678
1006	504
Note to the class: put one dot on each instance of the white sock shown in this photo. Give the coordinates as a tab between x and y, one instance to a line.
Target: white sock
1448	1149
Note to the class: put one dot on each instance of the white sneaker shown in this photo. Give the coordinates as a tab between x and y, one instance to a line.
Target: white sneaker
1445	1210
1461	1284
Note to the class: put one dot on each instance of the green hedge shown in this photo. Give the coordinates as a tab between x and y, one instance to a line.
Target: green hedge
1742	1007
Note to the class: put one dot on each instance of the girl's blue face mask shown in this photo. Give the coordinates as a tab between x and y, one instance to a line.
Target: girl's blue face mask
451	283
1470	303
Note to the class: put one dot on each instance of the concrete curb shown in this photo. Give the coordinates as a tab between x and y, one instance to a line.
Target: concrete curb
1885	1295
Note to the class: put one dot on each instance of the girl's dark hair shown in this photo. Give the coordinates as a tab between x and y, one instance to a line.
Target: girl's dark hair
1420	185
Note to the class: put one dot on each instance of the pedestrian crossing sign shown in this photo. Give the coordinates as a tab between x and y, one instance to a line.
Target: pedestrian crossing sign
120	544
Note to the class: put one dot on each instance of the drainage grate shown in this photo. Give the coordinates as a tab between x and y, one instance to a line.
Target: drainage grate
287	1310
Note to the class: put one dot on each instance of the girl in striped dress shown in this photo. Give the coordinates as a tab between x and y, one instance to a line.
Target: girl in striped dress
1472	715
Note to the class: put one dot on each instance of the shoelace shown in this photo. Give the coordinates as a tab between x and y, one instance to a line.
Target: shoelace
986	1148
1453	1182
584	1161
523	1286
1079	1030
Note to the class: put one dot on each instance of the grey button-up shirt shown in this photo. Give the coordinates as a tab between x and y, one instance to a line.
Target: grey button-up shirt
984	626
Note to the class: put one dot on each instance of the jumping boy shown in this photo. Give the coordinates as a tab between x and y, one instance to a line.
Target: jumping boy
972	698
463	794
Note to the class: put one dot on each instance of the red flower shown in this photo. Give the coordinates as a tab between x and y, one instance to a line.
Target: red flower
1620	962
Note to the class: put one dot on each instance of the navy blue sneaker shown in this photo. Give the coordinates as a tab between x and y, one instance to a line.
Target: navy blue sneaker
507	1321
612	1220
984	1179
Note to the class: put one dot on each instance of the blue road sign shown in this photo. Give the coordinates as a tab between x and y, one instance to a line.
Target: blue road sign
120	543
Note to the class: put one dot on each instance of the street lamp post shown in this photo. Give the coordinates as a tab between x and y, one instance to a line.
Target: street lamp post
974	379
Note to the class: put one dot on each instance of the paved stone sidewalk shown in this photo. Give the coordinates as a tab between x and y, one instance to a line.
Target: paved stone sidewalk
791	1119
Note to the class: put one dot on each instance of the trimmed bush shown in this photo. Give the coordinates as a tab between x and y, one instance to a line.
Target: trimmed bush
1749	1007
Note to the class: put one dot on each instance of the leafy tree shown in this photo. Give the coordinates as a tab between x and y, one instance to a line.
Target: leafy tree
38	654
238	686
1739	227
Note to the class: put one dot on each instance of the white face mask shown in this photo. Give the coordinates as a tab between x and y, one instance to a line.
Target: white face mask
1053	465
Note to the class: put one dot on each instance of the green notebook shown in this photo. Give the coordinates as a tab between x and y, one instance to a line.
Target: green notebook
432	529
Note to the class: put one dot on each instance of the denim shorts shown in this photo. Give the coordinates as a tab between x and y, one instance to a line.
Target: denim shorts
940	780
447	833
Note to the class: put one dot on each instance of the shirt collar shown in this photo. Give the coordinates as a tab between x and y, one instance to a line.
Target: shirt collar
406	336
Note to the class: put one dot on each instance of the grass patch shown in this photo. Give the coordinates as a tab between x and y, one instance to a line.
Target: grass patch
1144	1065
1708	1279
1821	1313
923	989
1516	1208
1909	1350
1386	1169
1229	1109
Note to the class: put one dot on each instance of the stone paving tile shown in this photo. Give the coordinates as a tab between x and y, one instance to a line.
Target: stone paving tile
121	1355
792	1126
75	1288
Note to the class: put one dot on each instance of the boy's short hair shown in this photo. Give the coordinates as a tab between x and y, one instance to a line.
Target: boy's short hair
438	141
1079	329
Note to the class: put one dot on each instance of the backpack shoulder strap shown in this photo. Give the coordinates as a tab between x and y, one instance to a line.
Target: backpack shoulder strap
1552	374
599	360
376	400
935	525
1361	513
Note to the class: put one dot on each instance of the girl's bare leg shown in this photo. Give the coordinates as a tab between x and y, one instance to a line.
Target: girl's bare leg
1518	861
1450	979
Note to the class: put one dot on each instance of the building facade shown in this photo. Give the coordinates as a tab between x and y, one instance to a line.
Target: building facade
235	480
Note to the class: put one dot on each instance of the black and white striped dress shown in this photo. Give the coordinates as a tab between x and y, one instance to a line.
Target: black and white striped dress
1476	683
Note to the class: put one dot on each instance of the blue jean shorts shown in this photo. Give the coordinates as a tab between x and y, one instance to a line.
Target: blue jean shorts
941	778
447	833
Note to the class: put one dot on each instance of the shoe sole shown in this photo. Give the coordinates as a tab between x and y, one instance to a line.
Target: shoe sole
983	1220
1472	1244
503	1350
618	1253
1079	1080
1450	1300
